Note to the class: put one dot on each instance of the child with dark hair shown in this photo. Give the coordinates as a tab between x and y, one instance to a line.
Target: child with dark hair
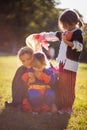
70	49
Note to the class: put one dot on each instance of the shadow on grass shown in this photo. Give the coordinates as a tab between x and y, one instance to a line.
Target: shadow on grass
13	119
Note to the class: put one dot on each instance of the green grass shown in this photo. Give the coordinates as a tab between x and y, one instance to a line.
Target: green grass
13	119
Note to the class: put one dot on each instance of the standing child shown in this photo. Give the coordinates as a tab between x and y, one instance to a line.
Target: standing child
71	46
19	88
68	58
41	96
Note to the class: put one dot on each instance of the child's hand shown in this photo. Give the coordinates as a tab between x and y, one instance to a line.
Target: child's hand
64	37
31	78
67	36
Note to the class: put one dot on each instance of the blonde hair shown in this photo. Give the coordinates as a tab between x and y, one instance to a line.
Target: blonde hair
25	50
39	59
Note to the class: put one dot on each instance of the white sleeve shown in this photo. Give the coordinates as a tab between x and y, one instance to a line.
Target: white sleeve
29	41
78	46
51	36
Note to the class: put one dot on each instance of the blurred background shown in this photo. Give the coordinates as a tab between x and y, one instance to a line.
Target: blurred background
20	18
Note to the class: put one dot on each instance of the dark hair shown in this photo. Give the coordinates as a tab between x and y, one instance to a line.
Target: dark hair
70	17
25	50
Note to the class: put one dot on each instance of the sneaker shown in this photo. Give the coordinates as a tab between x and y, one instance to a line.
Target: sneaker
49	113
8	104
12	105
61	111
69	110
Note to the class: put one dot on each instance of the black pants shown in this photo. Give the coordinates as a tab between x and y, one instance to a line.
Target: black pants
19	87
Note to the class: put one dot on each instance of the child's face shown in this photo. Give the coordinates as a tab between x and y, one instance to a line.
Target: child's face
68	27
26	60
39	68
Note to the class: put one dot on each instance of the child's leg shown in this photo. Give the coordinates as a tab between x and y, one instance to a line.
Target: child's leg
54	108
36	99
49	99
66	89
19	92
26	106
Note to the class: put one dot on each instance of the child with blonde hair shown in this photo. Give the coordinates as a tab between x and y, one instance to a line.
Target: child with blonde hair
40	95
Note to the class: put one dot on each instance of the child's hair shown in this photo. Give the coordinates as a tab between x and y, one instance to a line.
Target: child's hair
39	59
70	17
25	50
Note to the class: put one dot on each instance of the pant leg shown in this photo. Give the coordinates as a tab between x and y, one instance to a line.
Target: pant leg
19	88
35	99
66	89
49	97
19	92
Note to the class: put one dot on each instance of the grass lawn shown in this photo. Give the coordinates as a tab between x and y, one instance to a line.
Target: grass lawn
13	119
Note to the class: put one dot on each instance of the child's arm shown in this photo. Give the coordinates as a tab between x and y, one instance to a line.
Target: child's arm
20	71
77	42
25	77
52	36
35	41
29	77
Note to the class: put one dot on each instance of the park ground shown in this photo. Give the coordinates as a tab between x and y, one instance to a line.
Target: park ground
14	119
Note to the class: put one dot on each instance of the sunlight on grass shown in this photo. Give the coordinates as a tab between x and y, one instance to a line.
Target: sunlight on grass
77	121
8	66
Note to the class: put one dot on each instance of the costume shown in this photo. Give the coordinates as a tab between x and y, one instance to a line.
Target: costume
68	59
68	67
40	94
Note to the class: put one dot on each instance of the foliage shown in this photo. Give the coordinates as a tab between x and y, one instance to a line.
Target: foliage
19	18
85	34
14	119
23	17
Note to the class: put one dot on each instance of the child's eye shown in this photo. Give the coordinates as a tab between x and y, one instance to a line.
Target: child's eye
23	61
